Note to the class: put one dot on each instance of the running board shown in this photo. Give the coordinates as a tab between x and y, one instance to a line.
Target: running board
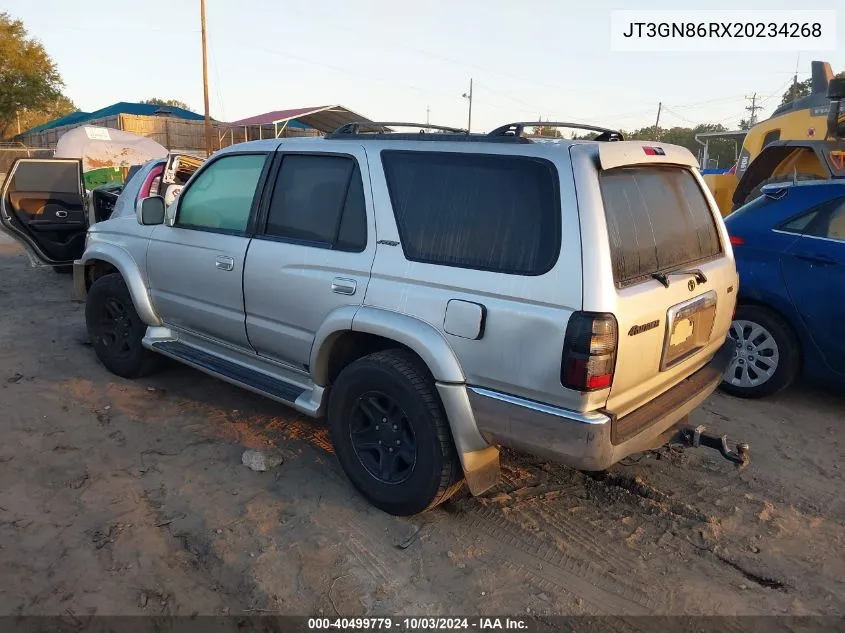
235	373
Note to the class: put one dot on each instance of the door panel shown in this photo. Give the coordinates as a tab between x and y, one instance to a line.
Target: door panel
189	287
196	267
43	208
315	255
814	272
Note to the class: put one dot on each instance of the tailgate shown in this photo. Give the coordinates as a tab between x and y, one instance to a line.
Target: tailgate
668	260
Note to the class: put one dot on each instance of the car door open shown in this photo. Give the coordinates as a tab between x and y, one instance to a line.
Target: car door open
43	207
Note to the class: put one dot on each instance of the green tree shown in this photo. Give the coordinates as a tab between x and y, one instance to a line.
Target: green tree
29	80
797	90
28	119
173	103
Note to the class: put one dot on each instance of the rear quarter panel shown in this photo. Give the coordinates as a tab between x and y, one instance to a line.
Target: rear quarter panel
526	316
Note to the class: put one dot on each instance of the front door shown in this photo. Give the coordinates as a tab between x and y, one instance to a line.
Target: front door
195	266
814	270
314	254
43	208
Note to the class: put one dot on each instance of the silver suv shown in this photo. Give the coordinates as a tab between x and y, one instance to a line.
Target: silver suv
433	295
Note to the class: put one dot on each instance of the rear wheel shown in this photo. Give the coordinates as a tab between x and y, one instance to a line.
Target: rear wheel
767	356
391	435
116	329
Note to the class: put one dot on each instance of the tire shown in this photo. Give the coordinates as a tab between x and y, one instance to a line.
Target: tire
425	469
116	329
774	361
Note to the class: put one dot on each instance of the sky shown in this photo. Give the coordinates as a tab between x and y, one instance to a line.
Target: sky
397	60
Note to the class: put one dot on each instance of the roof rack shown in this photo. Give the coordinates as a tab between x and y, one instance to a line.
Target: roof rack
379	127
515	129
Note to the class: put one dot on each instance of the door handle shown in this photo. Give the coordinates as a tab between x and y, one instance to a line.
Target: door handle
818	260
343	286
224	262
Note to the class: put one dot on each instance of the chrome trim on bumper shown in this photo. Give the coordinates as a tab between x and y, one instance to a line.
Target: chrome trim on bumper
583	440
572	416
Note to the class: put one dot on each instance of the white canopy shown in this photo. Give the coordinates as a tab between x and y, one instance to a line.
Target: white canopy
100	147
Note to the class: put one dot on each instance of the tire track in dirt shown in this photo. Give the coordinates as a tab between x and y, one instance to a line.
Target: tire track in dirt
539	562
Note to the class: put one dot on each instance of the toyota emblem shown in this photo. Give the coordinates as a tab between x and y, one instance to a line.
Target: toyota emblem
691	285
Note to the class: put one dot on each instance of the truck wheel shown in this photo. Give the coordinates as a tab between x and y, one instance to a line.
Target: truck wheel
391	435
116	329
767	357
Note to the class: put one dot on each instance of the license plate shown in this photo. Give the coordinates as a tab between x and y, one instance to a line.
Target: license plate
689	325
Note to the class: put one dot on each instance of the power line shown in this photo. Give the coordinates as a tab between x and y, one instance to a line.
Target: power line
426	53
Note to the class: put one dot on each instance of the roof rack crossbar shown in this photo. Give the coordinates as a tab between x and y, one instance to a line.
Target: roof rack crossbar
515	129
383	127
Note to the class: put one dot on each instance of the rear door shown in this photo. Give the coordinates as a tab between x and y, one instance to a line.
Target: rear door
814	271
662	248
313	253
43	208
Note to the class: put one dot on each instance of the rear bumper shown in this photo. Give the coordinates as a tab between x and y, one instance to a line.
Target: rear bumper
598	439
79	288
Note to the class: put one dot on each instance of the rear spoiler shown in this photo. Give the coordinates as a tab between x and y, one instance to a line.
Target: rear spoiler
629	153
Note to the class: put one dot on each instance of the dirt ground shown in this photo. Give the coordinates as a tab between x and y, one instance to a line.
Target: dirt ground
122	497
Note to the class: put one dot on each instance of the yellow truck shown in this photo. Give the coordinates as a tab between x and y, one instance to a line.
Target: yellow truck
802	140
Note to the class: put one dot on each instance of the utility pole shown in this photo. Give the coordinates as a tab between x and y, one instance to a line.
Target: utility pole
657	121
208	145
469	96
753	109
427	112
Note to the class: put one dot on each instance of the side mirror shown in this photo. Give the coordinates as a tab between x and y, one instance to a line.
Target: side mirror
150	210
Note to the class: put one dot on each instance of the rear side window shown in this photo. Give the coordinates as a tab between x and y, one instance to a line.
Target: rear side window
496	213
319	199
47	176
658	219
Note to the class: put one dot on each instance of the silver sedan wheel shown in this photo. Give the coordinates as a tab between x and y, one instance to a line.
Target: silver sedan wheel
756	355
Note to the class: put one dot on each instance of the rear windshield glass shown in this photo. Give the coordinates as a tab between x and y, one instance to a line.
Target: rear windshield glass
496	213
47	176
658	219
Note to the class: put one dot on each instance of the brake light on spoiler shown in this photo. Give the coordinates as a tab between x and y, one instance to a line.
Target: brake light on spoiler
654	151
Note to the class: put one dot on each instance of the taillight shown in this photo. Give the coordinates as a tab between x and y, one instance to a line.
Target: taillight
736	240
589	351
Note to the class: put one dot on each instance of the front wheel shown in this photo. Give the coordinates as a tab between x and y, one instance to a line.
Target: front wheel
767	356
116	329
391	435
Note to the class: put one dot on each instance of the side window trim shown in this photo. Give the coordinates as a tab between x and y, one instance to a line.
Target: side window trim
263	215
256	196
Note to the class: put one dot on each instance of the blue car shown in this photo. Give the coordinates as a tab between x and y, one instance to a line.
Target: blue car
789	246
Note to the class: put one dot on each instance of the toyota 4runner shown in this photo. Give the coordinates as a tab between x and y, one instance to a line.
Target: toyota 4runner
433	295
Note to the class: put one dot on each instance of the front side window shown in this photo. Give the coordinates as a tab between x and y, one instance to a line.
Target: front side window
221	196
496	213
